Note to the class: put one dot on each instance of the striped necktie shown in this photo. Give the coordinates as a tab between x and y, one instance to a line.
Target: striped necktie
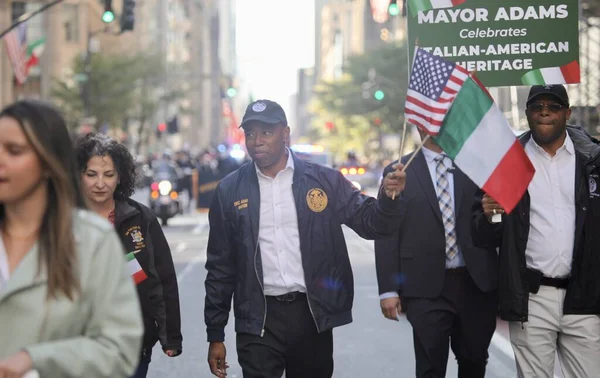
445	202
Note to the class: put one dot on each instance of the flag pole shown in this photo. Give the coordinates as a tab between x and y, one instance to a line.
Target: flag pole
419	147
412	157
405	124
408	65
27	16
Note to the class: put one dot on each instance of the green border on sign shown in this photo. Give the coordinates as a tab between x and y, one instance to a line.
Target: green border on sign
507	42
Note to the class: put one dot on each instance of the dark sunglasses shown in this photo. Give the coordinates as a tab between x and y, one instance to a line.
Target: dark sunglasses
552	107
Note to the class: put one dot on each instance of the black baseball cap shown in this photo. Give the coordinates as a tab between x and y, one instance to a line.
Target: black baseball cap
557	91
266	111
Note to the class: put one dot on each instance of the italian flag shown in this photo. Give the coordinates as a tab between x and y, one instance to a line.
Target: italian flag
567	74
416	6
34	51
134	268
476	135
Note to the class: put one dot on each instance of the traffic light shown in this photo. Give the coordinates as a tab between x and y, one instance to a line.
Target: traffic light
379	95
108	16
393	8
160	129
173	126
128	15
231	92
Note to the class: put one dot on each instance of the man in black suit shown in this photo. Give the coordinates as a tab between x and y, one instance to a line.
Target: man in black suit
431	270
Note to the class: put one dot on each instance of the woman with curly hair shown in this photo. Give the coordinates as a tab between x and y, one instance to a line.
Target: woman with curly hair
108	175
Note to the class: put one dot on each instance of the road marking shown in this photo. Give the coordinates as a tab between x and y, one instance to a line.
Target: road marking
180	247
503	344
192	263
199	229
188	268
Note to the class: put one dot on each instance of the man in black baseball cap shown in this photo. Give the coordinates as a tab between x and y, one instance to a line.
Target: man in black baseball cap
267	133
276	246
265	111
557	91
547	114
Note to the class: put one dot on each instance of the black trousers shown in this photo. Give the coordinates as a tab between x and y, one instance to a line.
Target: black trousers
290	343
463	316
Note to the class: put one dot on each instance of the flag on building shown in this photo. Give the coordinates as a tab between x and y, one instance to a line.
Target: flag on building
234	134
567	74
433	85
416	6
477	137
15	42
134	268
34	51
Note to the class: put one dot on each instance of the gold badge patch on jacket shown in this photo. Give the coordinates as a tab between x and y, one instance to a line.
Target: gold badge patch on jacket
137	238
316	200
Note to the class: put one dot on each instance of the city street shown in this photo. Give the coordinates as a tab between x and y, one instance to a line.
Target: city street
479	94
371	346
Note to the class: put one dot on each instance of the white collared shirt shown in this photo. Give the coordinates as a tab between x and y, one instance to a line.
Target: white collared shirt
278	234
552	213
4	271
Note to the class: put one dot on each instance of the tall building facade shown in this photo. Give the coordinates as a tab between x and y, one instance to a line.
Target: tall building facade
302	117
69	28
348	27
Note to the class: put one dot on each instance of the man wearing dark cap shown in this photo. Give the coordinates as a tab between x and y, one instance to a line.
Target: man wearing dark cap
276	242
549	281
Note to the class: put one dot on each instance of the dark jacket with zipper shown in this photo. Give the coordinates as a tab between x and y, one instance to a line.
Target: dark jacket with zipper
234	257
511	236
139	230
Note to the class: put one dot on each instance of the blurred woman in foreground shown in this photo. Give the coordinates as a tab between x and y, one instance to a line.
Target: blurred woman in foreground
108	175
68	307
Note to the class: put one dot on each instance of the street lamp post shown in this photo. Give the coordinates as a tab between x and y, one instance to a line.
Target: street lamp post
87	70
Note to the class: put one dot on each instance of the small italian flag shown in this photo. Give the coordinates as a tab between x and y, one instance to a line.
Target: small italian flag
134	268
34	51
416	6
567	74
476	135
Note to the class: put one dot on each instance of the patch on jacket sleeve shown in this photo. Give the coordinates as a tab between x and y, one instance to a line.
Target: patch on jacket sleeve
241	204
316	199
135	232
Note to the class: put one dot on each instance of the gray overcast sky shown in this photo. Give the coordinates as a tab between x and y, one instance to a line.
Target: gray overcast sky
274	39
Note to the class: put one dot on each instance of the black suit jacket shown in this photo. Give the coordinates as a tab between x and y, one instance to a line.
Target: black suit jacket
413	261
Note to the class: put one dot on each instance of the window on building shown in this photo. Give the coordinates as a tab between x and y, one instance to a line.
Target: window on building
18	9
71	22
338	54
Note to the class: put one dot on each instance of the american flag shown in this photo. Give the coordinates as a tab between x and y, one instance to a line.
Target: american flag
433	85
16	47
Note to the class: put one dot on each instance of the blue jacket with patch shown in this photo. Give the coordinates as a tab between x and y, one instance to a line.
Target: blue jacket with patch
324	200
